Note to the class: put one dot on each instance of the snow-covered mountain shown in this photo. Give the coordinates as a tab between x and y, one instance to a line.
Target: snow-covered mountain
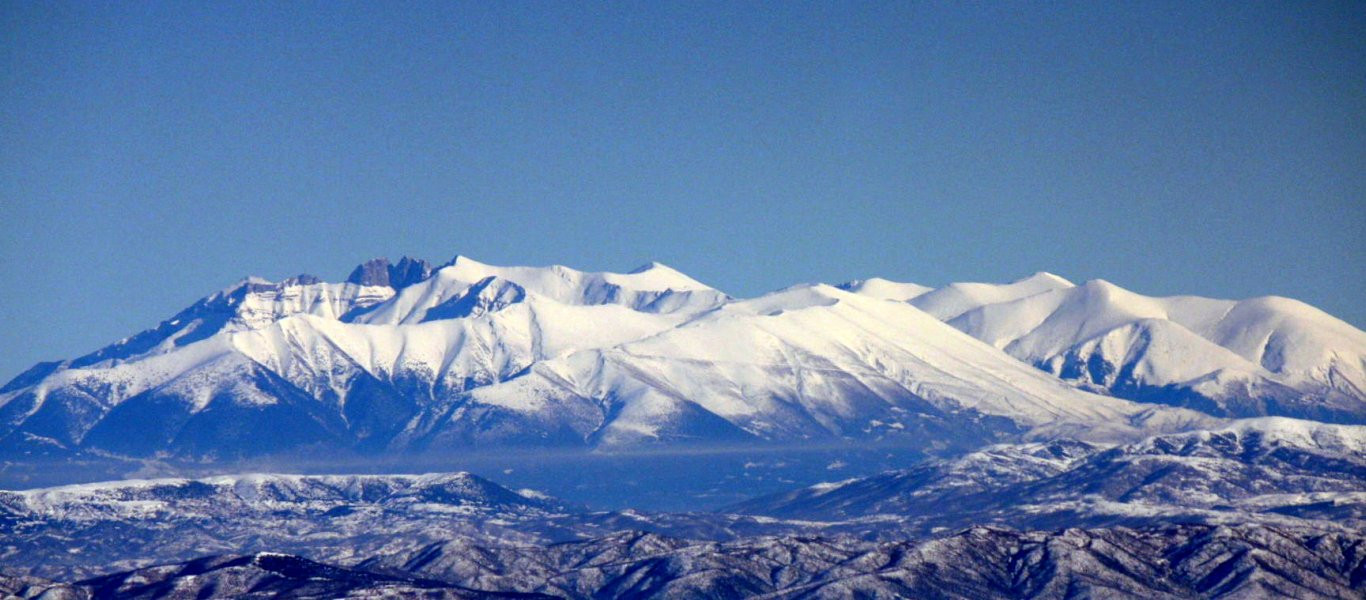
413	357
1262	356
1296	477
410	357
244	495
1268	470
98	528
982	562
1169	562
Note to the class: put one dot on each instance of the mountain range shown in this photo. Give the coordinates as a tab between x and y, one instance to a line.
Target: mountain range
1276	472
875	438
983	562
1262	356
411	357
1265	508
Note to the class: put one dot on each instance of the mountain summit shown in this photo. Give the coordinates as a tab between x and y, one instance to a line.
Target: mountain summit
379	272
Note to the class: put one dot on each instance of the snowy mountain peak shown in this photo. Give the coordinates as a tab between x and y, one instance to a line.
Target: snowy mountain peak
659	289
246	282
797	297
1101	286
1262	356
955	299
461	259
251	303
1044	279
649	266
253	284
886	289
653	276
657	274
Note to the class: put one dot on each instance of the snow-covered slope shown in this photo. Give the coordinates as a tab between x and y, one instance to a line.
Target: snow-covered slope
1263	356
805	362
250	304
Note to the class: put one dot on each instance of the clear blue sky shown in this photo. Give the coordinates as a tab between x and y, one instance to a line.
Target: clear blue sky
151	153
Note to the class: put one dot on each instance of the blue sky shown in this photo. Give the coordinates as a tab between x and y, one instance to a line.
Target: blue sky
151	153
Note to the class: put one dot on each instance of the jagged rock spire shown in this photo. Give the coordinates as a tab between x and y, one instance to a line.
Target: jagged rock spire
380	271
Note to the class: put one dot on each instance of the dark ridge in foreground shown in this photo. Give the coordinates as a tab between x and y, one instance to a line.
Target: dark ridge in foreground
1178	561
